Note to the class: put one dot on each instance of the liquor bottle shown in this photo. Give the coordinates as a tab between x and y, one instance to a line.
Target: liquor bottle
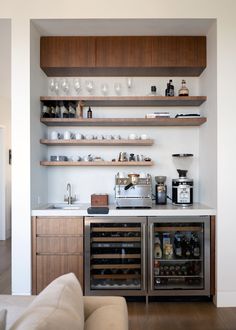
153	91
170	89
157	248
71	111
46	112
196	251
178	247
183	91
89	113
64	112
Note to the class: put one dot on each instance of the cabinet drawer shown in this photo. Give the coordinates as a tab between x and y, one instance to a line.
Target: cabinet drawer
59	226
59	245
51	267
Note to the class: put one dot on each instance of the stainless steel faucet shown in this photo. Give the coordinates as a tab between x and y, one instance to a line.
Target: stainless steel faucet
68	188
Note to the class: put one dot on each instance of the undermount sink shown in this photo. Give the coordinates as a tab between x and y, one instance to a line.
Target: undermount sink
64	207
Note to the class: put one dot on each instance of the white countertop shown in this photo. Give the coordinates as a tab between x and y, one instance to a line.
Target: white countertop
196	209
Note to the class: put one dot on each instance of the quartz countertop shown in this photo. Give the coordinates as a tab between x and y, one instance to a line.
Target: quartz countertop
196	209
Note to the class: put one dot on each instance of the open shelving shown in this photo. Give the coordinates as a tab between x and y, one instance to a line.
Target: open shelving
196	121
136	101
105	142
96	163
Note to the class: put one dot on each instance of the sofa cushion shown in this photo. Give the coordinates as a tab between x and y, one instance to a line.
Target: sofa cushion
3	315
59	306
105	313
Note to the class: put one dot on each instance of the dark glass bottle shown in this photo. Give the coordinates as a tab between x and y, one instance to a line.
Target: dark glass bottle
178	247
196	249
46	112
89	113
169	89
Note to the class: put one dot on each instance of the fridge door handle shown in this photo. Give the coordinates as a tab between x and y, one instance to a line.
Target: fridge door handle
144	256
150	248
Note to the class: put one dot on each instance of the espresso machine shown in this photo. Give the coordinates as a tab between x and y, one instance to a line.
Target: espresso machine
161	190
133	191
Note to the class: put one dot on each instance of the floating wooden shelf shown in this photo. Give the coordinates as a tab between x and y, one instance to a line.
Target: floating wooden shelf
124	121
135	101
147	142
98	163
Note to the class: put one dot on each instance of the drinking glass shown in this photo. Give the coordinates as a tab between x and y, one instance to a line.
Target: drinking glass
104	89
77	85
89	86
117	88
65	85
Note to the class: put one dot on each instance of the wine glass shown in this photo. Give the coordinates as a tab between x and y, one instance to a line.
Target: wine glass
117	88
89	86
56	87
77	85
65	85
130	82
104	89
52	85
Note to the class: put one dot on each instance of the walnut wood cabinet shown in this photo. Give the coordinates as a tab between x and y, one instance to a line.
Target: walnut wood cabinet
57	249
123	55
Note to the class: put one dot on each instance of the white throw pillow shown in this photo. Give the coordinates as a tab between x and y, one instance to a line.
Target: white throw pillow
58	307
3	317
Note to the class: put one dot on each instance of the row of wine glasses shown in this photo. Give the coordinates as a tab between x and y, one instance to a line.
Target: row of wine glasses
64	85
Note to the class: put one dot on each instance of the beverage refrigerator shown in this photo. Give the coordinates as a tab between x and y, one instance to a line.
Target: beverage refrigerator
148	256
179	256
115	260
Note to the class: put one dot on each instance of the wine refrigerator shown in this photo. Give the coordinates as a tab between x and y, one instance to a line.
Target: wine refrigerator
149	256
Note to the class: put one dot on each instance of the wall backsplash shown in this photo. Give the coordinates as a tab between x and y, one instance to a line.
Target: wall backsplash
167	140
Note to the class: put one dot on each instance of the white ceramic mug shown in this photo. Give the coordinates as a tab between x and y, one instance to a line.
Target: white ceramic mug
78	136
132	136
67	135
144	137
54	135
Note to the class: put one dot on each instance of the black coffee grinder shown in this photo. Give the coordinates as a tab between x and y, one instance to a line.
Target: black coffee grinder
161	190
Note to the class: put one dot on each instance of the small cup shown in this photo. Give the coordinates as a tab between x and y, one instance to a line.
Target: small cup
78	136
54	135
144	137
116	137
67	135
89	137
108	137
142	175
100	137
132	136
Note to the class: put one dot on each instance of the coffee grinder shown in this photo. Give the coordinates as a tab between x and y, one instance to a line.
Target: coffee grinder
182	187
161	190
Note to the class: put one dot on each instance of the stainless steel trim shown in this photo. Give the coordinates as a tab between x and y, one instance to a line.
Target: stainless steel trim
151	256
143	252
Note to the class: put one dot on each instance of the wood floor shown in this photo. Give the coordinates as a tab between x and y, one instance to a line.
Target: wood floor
5	267
180	316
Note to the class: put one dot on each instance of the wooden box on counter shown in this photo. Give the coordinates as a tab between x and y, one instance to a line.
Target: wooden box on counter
99	199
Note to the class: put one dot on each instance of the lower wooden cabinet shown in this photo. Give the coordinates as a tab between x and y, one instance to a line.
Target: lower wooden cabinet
57	249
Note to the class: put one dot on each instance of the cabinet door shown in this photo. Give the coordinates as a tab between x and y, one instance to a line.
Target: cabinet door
59	226
50	267
179	55
65	55
57	248
123	52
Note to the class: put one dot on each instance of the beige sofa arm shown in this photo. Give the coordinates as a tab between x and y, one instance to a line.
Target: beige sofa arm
105	313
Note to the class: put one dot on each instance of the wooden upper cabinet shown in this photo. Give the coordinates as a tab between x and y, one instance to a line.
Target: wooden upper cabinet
62	56
179	55
123	56
119	55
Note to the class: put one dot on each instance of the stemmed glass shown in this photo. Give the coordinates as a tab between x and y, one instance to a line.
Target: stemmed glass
65	85
77	85
89	86
54	86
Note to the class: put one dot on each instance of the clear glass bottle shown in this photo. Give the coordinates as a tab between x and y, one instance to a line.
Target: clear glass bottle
183	91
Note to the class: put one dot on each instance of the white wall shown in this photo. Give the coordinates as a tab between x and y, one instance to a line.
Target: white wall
38	84
5	117
88	180
224	12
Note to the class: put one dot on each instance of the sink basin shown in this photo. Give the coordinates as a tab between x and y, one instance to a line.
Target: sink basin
64	207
